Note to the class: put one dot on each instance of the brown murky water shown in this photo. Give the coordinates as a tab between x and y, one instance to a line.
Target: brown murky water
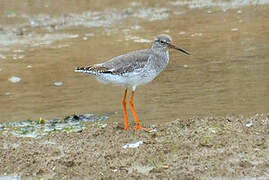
41	42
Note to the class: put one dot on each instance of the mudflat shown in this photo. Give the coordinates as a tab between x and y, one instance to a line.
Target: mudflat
231	147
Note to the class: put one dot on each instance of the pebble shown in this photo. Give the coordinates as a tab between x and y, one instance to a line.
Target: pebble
58	83
153	130
104	125
249	124
14	79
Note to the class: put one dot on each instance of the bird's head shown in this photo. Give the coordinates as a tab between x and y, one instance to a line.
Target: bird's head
164	41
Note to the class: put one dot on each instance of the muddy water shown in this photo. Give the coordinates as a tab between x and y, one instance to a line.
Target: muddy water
41	42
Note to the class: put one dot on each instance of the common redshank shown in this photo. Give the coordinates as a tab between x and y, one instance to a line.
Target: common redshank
133	69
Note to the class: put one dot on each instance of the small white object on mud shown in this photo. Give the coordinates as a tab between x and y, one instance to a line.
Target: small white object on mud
133	145
153	130
104	125
250	123
14	79
58	83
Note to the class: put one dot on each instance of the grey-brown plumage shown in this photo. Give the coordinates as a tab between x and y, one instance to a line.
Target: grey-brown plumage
134	68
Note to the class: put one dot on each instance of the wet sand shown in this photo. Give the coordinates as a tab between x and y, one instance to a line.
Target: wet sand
227	73
233	147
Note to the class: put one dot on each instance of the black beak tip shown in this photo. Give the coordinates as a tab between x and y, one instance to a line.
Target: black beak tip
184	51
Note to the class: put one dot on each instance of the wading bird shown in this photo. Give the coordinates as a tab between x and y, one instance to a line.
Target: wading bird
133	69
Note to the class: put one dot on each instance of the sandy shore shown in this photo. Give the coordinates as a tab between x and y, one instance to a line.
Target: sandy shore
195	148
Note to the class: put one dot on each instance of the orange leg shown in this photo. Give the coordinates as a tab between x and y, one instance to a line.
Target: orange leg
138	126
125	110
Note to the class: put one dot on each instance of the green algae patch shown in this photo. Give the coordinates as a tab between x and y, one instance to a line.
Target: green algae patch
43	127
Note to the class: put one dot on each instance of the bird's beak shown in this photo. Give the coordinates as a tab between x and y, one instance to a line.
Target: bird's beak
177	48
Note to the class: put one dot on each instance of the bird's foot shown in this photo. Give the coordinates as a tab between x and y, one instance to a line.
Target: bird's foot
138	127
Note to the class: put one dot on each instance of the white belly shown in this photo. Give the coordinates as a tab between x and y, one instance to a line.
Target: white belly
128	79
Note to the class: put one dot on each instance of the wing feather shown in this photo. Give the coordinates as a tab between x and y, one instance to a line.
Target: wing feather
127	63
121	64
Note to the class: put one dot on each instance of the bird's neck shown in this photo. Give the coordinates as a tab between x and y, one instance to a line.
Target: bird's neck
163	54
162	51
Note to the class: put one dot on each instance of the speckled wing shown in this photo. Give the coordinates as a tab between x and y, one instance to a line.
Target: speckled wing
133	61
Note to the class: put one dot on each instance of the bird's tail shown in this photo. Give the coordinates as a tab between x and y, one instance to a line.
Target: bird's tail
88	69
95	69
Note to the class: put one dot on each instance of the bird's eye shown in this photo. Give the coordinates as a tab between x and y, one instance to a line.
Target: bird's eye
162	42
